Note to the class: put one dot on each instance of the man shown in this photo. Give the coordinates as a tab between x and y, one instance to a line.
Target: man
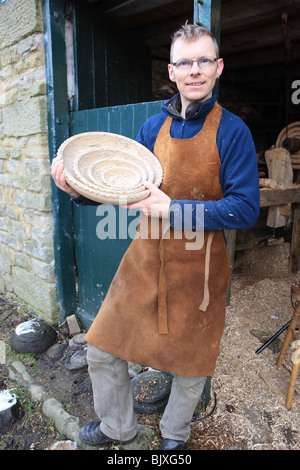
166	304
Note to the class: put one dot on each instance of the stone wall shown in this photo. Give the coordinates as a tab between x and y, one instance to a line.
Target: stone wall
26	236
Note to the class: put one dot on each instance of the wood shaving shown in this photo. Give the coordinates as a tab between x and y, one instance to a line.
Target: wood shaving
251	390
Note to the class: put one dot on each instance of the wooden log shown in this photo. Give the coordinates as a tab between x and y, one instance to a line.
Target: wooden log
280	169
267	183
279	165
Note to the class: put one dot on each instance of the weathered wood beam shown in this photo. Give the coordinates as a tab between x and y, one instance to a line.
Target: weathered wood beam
295	242
260	37
159	34
259	58
277	197
235	16
121	8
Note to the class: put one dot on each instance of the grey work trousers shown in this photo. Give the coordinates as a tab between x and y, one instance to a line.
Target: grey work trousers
113	399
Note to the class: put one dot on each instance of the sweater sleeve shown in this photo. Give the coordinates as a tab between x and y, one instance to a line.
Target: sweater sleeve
84	201
240	205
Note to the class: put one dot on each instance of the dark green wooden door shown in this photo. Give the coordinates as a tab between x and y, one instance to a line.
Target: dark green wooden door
97	259
112	69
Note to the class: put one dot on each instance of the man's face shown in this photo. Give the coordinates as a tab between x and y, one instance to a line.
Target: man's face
195	84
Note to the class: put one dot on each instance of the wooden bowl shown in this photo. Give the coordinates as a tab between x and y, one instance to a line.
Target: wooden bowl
109	168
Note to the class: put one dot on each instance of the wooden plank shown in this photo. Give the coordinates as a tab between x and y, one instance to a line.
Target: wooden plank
84	56
208	14
113	65
254	13
250	64
118	8
259	38
295	243
278	196
97	259
58	131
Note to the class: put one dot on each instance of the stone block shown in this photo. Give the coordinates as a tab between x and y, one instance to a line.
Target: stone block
27	19
32	200
9	240
5	180
23	260
18	230
4	224
3	154
37	165
42	253
43	270
5	282
12	211
25	118
7	258
15	153
25	45
13	166
38	219
37	182
2	281
31	90
42	237
18	181
73	325
36	292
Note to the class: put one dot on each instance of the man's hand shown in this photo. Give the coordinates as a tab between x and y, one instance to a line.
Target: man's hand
155	205
57	172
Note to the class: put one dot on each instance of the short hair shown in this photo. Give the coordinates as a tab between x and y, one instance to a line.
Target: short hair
192	32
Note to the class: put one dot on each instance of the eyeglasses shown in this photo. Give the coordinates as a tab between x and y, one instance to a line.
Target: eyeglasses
203	62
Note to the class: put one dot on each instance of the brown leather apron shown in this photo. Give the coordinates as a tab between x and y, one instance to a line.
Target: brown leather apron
165	307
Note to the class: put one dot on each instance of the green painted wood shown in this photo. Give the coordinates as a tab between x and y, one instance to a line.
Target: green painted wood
97	260
58	131
208	14
113	65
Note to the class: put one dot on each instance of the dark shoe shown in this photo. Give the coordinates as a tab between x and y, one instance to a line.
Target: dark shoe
92	435
172	444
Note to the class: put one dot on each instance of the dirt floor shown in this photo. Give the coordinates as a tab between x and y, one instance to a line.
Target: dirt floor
249	388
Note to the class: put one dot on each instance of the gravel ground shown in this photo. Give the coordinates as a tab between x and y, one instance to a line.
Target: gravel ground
250	389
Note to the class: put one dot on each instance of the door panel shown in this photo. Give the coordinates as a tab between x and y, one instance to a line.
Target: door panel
97	260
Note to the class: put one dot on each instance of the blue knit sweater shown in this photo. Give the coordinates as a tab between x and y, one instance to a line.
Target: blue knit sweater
239	207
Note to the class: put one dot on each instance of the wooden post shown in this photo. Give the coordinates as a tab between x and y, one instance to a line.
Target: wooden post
58	131
295	242
230	236
279	169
